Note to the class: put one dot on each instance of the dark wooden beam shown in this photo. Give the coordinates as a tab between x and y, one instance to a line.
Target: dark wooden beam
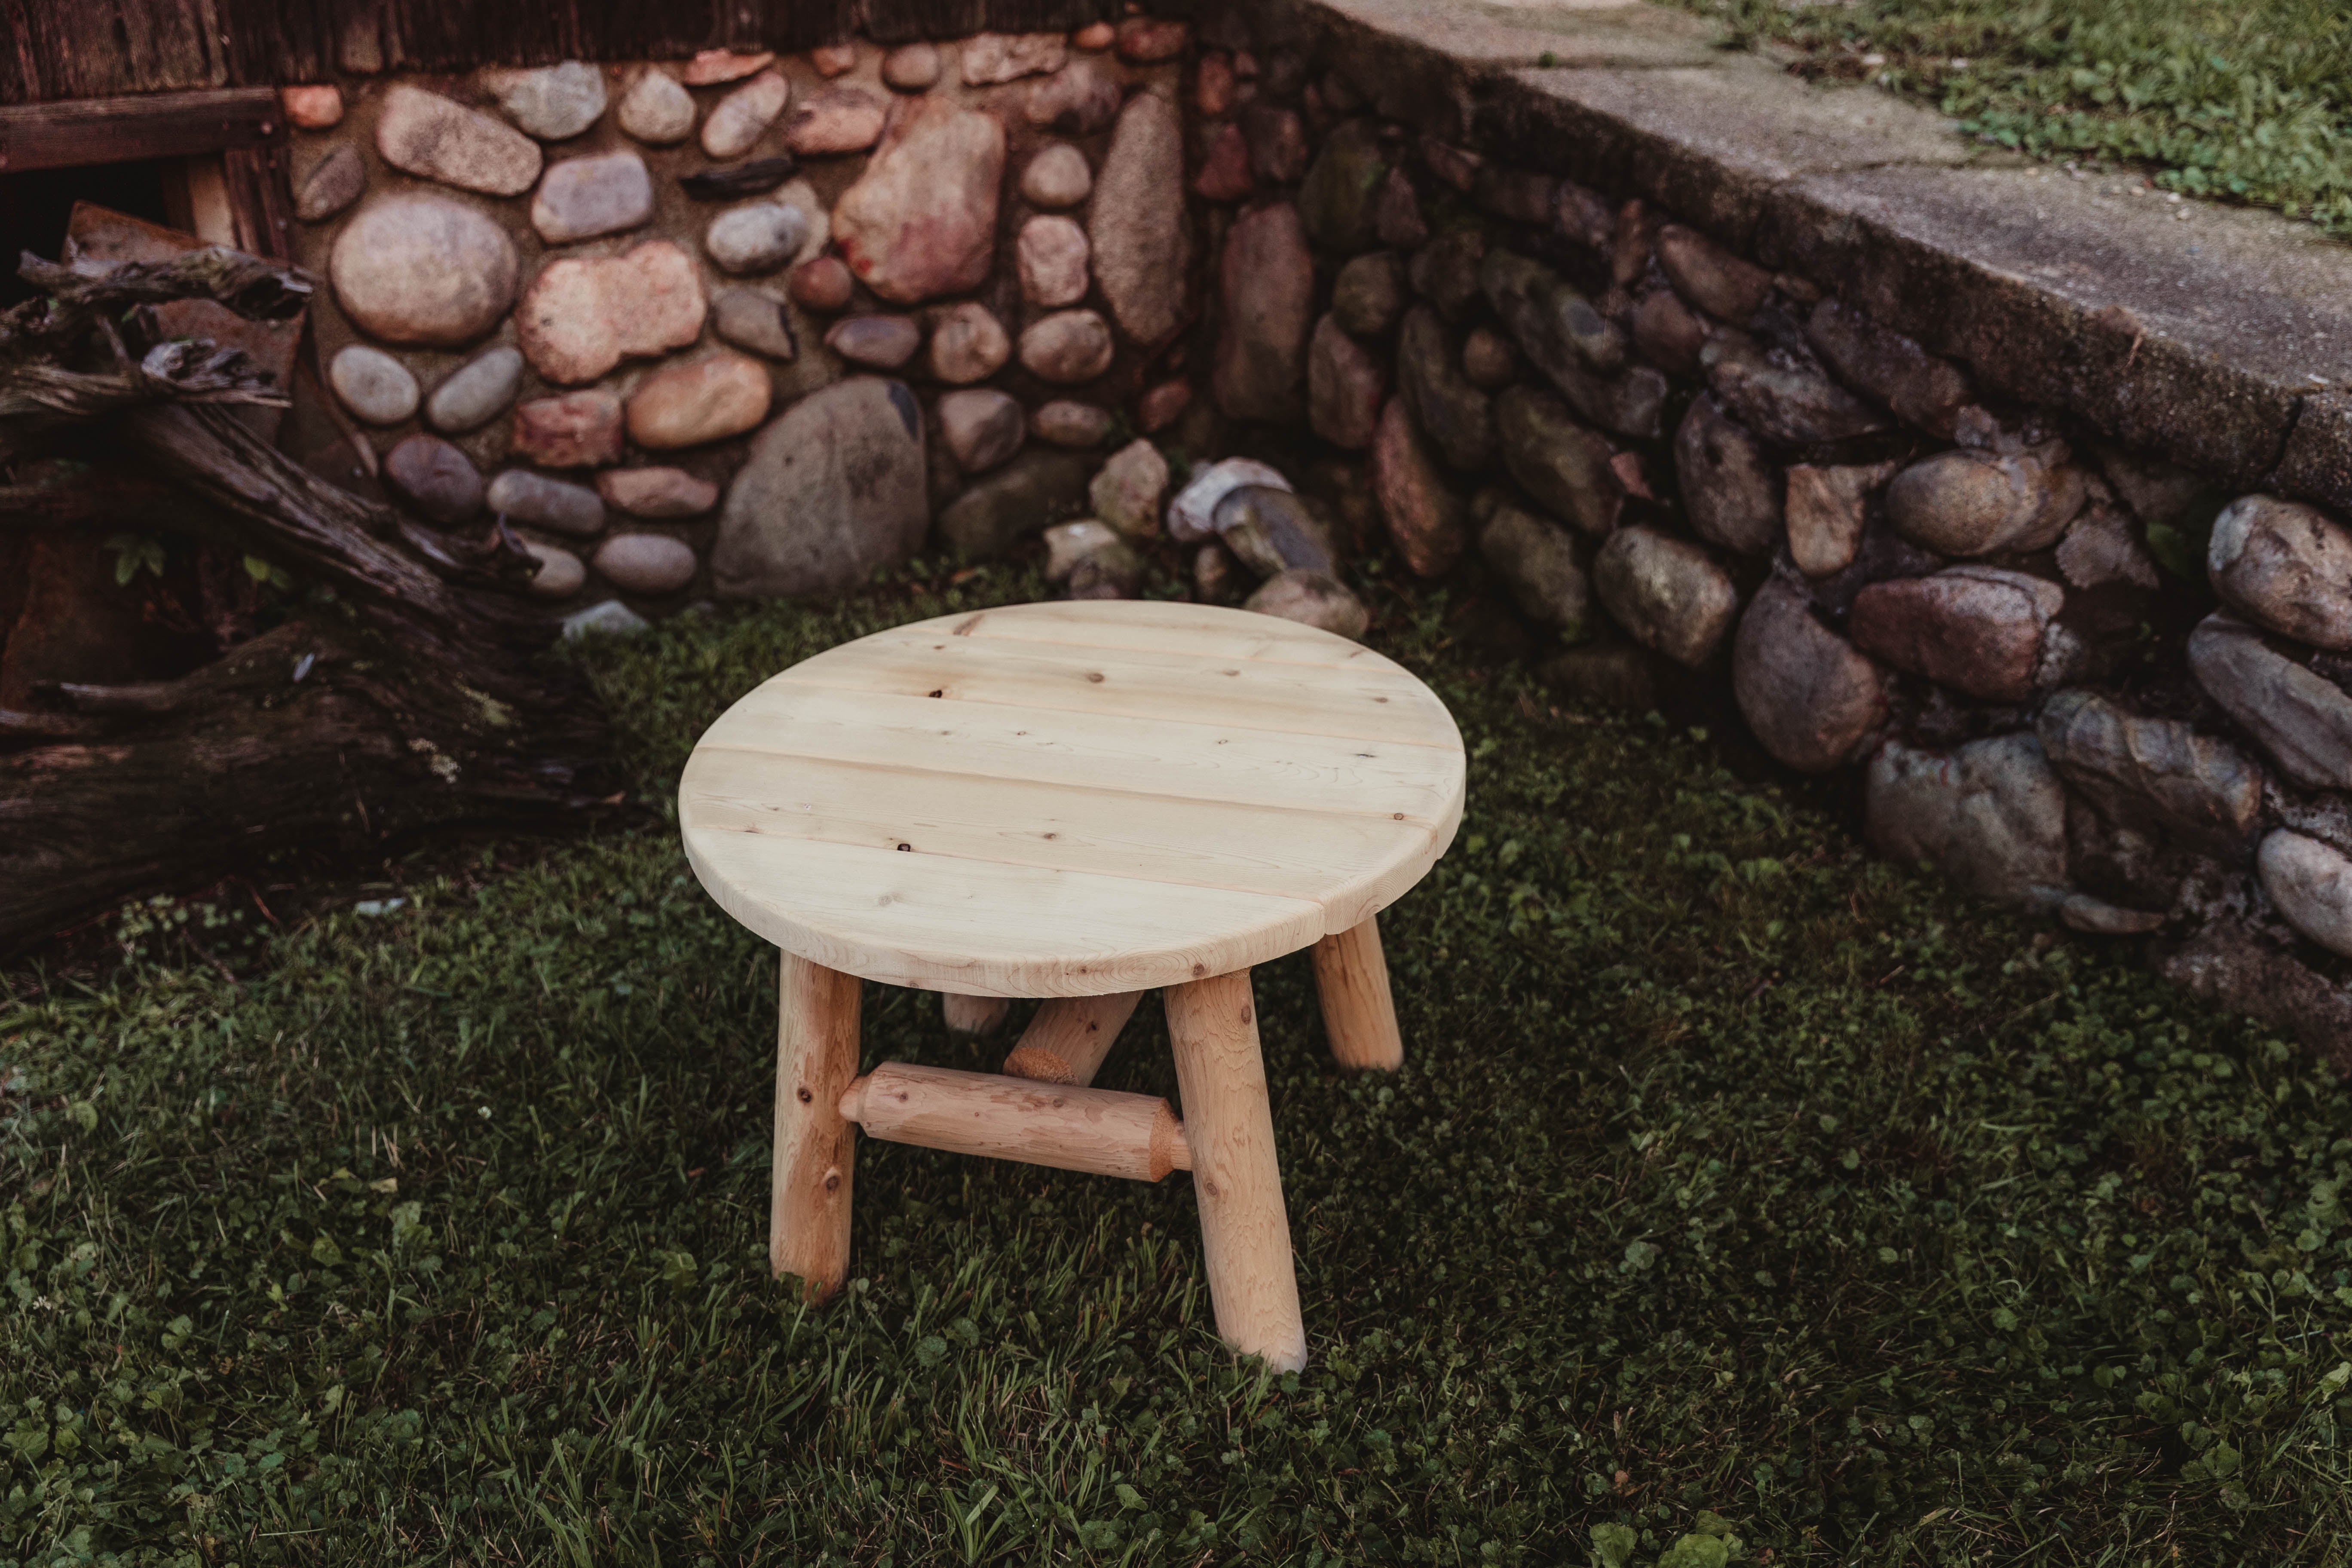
75	132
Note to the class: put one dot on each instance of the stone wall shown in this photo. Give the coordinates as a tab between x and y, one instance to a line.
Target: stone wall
2080	679
745	325
2028	548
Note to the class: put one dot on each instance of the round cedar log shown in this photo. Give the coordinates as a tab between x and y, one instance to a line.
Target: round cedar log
1351	974
816	1059
1071	1129
1229	1122
1069	1038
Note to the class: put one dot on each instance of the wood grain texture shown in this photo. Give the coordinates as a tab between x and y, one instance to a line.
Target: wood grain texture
1229	1125
118	130
973	1016
809	1185
1069	1128
1071	799
1351	975
57	49
1069	1037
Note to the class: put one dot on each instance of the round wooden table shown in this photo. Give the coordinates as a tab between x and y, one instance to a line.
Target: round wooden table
1079	801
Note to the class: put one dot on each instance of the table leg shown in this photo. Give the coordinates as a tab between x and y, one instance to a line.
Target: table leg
1359	1013
974	1015
1229	1126
816	1059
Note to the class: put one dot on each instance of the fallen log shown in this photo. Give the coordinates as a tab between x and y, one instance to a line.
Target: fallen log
406	692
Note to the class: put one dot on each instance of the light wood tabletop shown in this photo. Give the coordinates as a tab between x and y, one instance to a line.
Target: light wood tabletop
1072	799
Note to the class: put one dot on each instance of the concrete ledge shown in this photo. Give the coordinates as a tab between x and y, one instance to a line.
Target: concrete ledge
2213	336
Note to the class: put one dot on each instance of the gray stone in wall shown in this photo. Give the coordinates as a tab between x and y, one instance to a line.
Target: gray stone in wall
2286	566
1991	814
420	268
649	564
1922	389
440	482
1540	562
1445	271
1455	415
1731	488
333	182
580	198
1041	487
2153	773
756	320
1810	697
832	490
1556	328
1272	531
2302	718
2310	883
377	388
1565	466
1826	512
1140	228
1336	202
757	236
656	110
476	392
1972	502
536	500
2100	546
1369	294
982	427
553	103
1311	598
1667	592
1782	394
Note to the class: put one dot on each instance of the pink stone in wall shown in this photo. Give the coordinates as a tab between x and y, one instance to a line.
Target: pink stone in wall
1067	347
968	344
712	66
834	60
312	108
921	220
1163	405
1225	173
838	119
1426	519
743	116
695	401
423	134
1052	254
1144	39
583	316
822	284
1097	35
1080	99
991	58
657	493
1344	384
577	430
1212	89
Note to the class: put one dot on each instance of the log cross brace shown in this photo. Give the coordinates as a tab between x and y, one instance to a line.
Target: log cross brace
1065	1126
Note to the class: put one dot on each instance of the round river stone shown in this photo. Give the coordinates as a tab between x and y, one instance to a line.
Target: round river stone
423	270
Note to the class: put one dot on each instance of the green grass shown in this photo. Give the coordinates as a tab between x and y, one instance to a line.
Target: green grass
1741	1201
2244	99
